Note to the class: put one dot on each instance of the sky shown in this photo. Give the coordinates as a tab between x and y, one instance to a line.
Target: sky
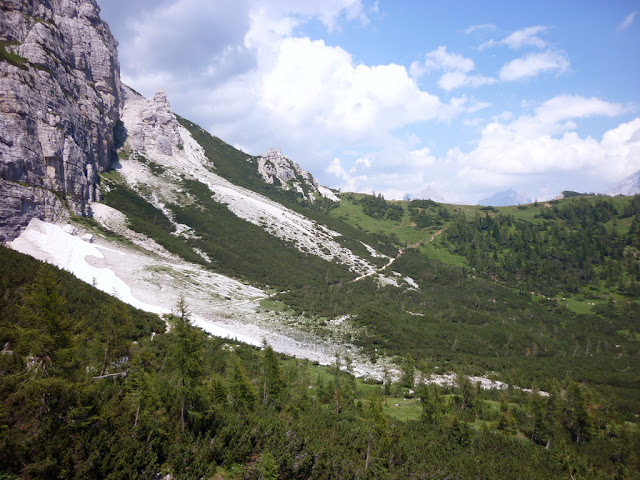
462	98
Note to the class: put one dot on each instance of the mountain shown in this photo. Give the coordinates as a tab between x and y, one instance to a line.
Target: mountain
60	76
628	186
148	209
506	198
275	167
429	192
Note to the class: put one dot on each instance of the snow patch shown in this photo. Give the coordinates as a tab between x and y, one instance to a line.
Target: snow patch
50	243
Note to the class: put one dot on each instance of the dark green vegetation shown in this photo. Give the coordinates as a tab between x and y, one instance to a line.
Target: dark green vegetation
579	243
535	293
12	58
378	208
87	392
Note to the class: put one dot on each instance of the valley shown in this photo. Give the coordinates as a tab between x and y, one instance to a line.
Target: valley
174	307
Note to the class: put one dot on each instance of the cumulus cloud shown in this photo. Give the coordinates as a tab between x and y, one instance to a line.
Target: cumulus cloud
455	66
628	21
361	161
520	38
393	171
441	59
308	83
532	65
545	148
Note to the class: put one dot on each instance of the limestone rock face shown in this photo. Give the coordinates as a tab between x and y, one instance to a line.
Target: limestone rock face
274	166
150	127
60	96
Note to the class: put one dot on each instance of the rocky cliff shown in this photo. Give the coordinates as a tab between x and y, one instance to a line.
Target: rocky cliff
60	97
277	169
149	126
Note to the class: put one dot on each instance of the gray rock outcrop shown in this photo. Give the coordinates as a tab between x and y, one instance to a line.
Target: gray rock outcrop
150	126
274	166
60	96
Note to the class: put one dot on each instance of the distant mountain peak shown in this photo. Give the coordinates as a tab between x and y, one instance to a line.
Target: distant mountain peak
506	198
628	186
429	192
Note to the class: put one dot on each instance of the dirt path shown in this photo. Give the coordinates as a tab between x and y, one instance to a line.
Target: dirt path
400	252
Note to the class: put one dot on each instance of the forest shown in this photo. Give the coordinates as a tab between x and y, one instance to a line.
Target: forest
92	388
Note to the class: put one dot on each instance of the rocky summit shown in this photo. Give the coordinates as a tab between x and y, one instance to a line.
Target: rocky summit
60	97
149	125
277	169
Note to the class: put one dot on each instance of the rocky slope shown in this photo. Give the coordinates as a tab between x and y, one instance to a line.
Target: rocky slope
275	168
155	138
59	103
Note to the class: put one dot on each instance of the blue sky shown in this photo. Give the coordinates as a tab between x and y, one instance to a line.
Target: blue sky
462	98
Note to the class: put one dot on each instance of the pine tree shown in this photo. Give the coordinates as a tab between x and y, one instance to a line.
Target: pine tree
45	330
273	381
242	391
185	355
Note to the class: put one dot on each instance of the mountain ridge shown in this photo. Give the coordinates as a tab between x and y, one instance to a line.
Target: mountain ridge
627	186
506	198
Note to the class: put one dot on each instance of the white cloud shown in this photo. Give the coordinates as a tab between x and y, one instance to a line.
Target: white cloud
348	181
455	66
544	148
451	80
628	21
395	170
476	106
311	86
565	107
421	158
520	38
363	161
484	26
440	59
533	65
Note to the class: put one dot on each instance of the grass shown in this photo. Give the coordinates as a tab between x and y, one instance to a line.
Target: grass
403	409
578	306
437	252
274	305
626	333
352	213
12	58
